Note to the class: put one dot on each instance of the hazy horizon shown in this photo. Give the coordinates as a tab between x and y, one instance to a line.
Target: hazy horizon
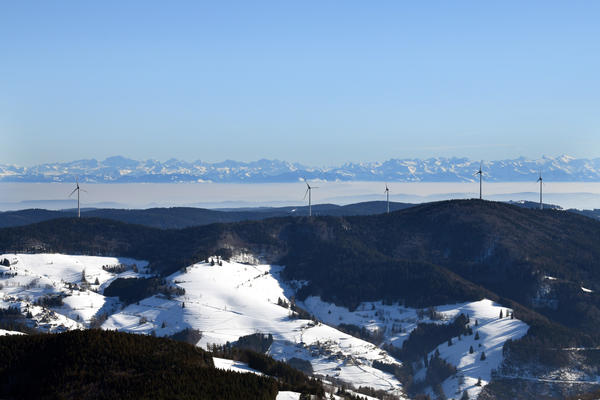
17	196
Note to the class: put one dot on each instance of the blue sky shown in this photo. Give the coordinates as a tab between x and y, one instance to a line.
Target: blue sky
320	82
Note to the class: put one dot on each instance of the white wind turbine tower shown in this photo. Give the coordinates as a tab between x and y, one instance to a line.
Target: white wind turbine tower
309	192
480	173
387	195
77	189
540	180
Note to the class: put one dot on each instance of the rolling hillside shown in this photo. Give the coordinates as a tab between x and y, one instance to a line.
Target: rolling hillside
459	250
541	264
183	217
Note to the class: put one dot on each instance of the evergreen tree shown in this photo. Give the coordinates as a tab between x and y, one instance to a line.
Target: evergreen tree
96	282
479	382
500	313
183	304
465	395
471	350
449	342
476	335
482	356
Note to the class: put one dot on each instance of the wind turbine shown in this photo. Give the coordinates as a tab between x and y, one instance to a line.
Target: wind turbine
77	189
540	180
309	192
480	173
387	195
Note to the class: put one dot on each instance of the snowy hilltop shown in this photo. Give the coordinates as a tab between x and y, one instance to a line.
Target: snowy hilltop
123	170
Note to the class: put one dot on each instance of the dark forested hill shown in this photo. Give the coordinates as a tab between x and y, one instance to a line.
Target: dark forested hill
183	217
96	364
425	255
595	213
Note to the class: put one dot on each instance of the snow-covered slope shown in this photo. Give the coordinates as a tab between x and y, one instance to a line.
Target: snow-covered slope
120	169
493	332
4	332
234	299
237	366
231	365
50	290
396	322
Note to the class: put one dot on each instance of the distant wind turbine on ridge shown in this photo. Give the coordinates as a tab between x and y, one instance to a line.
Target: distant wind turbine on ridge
480	173
309	192
540	180
77	189
387	194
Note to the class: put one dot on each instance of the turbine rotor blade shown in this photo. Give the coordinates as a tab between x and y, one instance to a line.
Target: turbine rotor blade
74	190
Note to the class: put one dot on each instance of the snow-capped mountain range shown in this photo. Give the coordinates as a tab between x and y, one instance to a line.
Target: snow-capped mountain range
124	170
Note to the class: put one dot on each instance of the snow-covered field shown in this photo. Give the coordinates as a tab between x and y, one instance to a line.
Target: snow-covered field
234	299
34	281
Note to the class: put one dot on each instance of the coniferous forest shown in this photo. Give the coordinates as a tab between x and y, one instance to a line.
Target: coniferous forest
96	364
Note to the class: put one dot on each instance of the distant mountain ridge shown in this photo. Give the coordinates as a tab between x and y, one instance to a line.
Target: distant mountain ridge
124	170
183	217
